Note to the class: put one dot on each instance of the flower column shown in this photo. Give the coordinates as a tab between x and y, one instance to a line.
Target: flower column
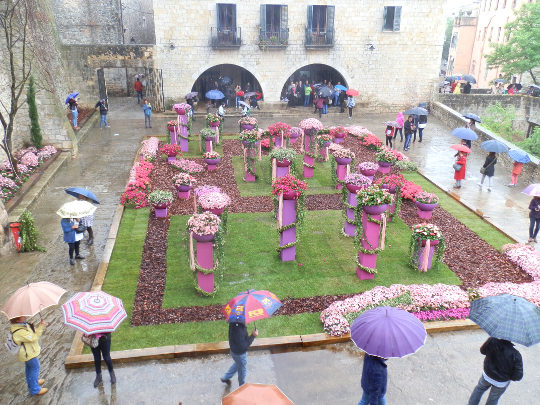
249	161
342	170
184	141
309	154
425	239
172	127
353	183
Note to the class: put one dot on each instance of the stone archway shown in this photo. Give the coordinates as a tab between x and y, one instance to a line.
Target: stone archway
214	77
315	73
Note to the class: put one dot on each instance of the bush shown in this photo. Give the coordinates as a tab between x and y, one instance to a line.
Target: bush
532	143
35	130
499	120
29	233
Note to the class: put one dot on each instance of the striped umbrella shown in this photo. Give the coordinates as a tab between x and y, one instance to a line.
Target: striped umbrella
94	312
251	306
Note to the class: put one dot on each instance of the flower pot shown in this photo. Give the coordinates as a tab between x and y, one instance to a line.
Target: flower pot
289	195
249	144
434	242
171	128
213	124
368	172
384	167
384	164
203	238
343	161
283	163
160	206
183	187
247	127
180	111
426	207
212	161
375	209
294	135
217	211
210	138
184	191
326	144
353	188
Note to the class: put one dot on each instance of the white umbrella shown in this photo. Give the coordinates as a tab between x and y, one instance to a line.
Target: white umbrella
76	209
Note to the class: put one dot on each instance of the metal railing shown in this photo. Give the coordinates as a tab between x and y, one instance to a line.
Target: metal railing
274	38
319	39
226	37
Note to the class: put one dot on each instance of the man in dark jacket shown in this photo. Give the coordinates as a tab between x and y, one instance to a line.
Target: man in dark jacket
409	127
502	364
239	343
103	108
374	377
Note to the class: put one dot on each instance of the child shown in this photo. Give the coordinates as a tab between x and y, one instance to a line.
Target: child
516	171
389	132
147	109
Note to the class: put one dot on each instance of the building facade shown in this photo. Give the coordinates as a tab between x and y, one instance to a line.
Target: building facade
462	41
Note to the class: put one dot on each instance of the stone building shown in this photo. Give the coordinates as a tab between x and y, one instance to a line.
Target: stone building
462	40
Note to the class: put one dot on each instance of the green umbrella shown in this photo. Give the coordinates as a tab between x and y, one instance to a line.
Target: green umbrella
508	317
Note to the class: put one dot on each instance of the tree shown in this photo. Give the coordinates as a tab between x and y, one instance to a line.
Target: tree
447	37
35	130
521	52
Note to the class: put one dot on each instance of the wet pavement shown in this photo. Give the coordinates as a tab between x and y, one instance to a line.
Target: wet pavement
443	372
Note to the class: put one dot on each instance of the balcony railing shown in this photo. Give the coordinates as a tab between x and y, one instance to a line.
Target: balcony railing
319	39
223	38
273	39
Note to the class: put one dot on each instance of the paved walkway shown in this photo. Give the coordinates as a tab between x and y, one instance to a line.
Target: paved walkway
443	372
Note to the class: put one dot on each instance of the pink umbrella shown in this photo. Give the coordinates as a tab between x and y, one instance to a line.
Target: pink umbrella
533	190
94	312
32	298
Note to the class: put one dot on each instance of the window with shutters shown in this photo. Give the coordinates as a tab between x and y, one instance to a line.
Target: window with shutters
392	18
320	26
226	34
274	30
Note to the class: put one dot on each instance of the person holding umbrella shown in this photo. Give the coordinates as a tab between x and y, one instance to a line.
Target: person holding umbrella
350	105
409	129
72	103
460	166
71	213
400	120
520	158
88	220
488	169
534	217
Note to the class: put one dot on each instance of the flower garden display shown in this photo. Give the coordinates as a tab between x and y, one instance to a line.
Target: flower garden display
290	194
358	131
215	202
188	166
392	183
425	204
368	169
172	127
385	158
247	123
324	140
160	200
181	108
370	141
249	138
208	138
204	228
338	134
184	182
425	238
213	120
295	134
171	151
149	149
406	165
211	159
282	158
353	183
281	132
250	141
525	257
310	127
134	196
370	220
343	158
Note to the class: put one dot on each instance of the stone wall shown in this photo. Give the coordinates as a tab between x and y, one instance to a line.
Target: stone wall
401	70
454	119
138	22
526	106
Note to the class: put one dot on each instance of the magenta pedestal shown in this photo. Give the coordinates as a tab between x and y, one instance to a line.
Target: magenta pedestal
249	177
174	136
308	171
422	251
171	159
289	235
348	228
184	144
282	171
323	151
341	172
338	140
211	168
293	140
160	212
205	259
370	240
425	211
184	195
277	141
384	167
208	145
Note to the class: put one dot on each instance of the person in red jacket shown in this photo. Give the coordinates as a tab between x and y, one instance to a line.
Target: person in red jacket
460	174
138	89
516	171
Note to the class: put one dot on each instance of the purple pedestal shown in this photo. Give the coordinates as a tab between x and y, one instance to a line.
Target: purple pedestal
184	144
205	259
211	168
171	159
338	140
249	177
184	195
160	212
308	171
323	153
289	235
293	140
341	172
384	167
174	136
425	211
364	275
277	141
209	145
370	240
309	145
421	252
350	229
282	171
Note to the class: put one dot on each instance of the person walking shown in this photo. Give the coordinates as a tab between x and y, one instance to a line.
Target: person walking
516	171
389	133
27	337
350	105
326	100
341	102
422	123
502	364
74	112
400	119
534	218
319	103
72	237
103	349
88	222
307	94
488	169
147	110
221	112
409	128
459	168
237	89
239	342
415	122
138	89
103	109
374	380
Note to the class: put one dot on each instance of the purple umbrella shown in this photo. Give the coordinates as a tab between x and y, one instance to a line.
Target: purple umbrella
533	190
388	332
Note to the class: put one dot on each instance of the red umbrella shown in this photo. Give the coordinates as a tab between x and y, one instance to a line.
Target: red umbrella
251	306
240	93
461	148
259	95
352	92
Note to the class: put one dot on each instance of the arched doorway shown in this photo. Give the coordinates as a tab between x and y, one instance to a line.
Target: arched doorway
225	78
314	73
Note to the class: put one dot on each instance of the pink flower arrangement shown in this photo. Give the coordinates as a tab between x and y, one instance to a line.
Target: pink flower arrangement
247	121
211	155
392	180
311	123
398	155
46	152
427	231
171	149
172	123
184	179
338	132
358	131
6	182
426	198
342	153
188	166
296	132
204	224
288	184
370	141
250	135
525	257
357	179
367	166
181	108
280	128
23	169
201	190
373	195
323	138
265	143
20	153
149	148
30	159
134	196
385	155
442	314
529	291
210	201
410	189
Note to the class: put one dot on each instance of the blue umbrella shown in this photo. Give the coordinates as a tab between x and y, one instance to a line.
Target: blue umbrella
72	95
215	95
472	116
416	111
75	191
508	317
469	78
465	133
340	87
519	156
494	146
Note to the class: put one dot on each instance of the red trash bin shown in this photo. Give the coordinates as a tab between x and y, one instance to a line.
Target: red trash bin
16	231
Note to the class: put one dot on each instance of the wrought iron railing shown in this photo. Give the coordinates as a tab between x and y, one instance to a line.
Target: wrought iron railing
318	38
278	38
226	37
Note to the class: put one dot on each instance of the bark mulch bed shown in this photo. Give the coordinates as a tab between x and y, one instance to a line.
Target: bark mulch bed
473	260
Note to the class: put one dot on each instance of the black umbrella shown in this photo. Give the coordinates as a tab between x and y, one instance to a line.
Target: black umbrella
225	80
191	95
325	91
469	78
472	116
417	111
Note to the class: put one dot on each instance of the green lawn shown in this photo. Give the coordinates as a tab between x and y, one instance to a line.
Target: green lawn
474	222
321	183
